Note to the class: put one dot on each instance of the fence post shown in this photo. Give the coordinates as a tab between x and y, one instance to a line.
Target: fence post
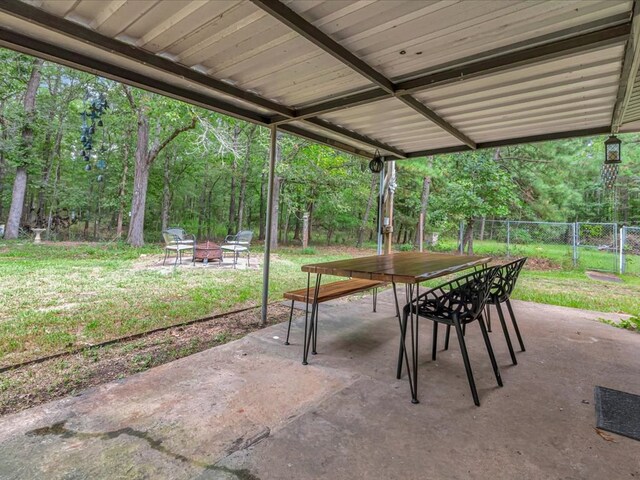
615	246
623	240
574	243
508	238
461	237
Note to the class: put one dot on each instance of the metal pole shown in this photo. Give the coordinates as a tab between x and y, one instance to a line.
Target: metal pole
574	243
461	237
269	233
623	240
380	197
508	238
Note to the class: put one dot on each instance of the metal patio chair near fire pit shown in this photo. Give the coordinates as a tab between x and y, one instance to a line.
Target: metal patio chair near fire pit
176	240
237	244
457	303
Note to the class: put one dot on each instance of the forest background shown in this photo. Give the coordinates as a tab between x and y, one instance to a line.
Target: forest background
151	162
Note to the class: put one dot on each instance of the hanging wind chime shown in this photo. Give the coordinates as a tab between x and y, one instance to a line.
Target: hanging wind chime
92	118
612	159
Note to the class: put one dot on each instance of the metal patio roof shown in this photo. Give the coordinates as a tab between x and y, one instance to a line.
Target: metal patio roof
410	78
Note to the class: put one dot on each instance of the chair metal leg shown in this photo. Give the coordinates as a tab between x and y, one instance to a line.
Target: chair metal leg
166	252
492	356
506	334
434	341
488	308
515	325
446	337
289	327
467	364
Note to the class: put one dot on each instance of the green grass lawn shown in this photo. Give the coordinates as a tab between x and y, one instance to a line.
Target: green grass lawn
56	297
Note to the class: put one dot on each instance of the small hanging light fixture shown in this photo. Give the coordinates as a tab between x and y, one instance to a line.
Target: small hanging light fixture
612	150
612	158
376	164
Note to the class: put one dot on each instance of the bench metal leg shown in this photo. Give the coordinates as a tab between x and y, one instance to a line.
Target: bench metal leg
289	327
375	299
446	337
309	331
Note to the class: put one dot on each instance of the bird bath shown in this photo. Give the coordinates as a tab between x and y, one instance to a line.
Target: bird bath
38	231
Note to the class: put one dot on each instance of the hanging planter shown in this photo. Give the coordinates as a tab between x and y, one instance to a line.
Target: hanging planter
376	164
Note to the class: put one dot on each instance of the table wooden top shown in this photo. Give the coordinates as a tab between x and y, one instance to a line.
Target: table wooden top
402	267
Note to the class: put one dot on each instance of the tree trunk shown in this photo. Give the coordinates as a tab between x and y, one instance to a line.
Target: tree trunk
122	190
20	182
138	199
467	239
262	219
424	203
166	193
243	179
365	219
297	231
482	224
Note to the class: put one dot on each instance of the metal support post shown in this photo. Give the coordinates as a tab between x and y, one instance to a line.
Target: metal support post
380	198
269	233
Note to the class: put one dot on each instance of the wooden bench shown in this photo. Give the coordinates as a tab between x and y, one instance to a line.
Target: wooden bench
330	291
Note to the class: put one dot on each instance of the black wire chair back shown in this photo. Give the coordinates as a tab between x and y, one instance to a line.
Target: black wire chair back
464	297
505	281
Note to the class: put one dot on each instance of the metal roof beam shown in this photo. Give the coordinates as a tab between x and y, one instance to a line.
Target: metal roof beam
426	112
284	14
330	142
73	30
318	122
545	137
47	51
629	72
349	101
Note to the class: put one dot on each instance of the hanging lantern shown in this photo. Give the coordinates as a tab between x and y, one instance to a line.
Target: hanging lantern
612	150
376	164
612	158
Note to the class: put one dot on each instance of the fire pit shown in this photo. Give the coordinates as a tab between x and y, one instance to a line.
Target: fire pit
207	251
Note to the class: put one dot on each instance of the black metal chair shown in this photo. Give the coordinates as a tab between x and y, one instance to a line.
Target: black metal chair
503	285
457	303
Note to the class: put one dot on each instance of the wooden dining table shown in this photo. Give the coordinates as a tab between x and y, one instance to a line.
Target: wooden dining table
409	268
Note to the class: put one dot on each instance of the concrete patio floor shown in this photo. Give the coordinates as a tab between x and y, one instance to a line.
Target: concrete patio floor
250	410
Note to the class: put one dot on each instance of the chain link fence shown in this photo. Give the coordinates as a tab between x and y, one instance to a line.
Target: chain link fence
630	250
585	245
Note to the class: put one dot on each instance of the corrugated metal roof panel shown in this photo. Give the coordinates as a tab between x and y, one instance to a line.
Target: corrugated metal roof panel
238	42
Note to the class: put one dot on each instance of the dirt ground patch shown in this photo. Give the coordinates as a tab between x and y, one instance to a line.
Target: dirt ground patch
34	384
